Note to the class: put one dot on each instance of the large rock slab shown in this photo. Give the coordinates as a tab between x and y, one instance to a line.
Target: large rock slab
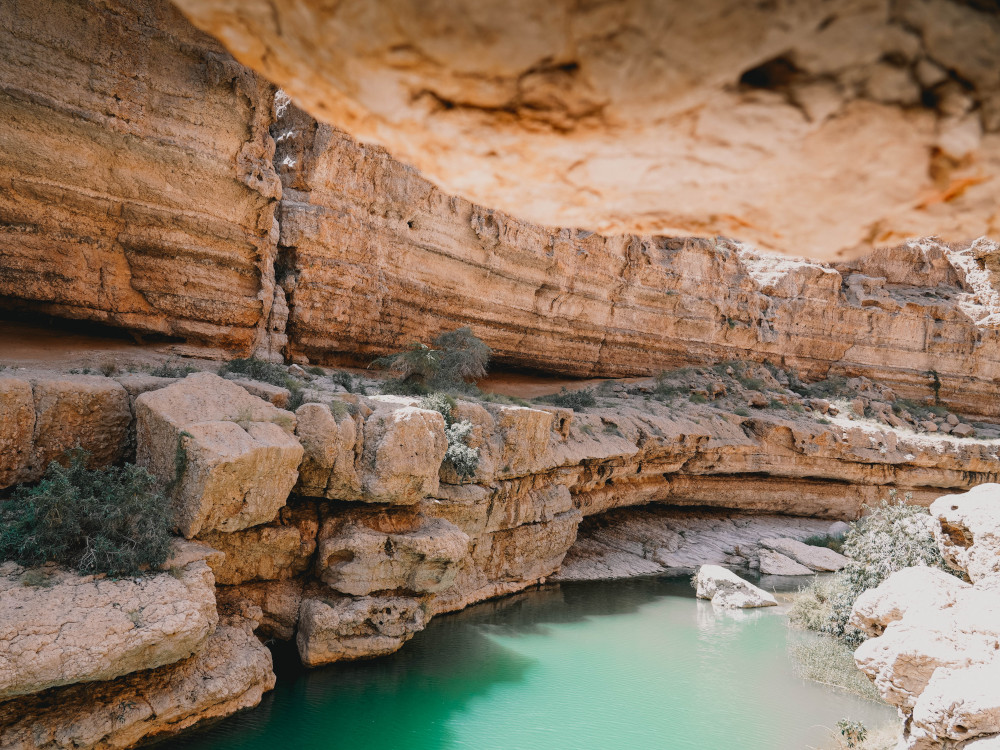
340	629
728	590
815	558
776	564
228	458
367	550
64	628
230	672
728	110
907	591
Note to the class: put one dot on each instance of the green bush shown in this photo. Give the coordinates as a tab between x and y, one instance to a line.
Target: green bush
441	403
170	369
111	520
575	400
267	372
453	360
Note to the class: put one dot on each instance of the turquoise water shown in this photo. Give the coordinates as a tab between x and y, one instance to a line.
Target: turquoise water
623	664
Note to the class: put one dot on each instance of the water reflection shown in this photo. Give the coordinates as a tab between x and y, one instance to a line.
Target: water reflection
589	665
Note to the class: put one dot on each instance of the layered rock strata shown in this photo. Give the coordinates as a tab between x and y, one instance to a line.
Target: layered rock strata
136	165
370	242
934	638
797	126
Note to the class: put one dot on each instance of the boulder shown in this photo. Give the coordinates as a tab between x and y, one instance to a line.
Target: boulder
228	458
907	591
403	450
366	550
278	601
230	672
968	530
58	628
816	558
777	564
960	704
345	628
331	447
726	589
273	394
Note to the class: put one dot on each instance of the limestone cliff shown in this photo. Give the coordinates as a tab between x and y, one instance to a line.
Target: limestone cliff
137	180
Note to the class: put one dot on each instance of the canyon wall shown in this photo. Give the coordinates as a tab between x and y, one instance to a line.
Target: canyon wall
143	192
376	256
138	185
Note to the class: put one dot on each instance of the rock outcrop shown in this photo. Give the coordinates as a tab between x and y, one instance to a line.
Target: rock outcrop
935	639
228	458
230	672
61	628
799	127
728	590
136	164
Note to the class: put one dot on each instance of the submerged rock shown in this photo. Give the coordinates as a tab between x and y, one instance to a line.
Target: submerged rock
726	589
346	628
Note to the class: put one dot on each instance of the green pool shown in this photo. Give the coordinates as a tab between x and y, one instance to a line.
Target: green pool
622	664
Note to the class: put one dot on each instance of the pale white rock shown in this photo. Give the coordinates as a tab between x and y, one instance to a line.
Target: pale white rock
907	591
960	704
726	589
816	558
345	628
777	564
76	628
228	458
968	530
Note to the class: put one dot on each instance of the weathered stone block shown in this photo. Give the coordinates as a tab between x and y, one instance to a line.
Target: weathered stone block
346	628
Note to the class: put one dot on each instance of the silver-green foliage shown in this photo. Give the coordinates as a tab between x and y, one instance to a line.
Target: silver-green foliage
463	459
112	520
891	536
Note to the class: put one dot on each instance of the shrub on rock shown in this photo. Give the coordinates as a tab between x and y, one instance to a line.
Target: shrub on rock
112	520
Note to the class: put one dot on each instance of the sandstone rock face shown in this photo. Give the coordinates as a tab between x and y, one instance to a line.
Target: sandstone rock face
346	628
936	638
44	416
796	127
585	304
280	550
230	672
139	188
392	456
728	590
815	558
227	457
81	629
279	602
391	550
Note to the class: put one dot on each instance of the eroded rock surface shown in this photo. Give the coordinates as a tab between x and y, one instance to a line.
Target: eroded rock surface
228	458
344	628
802	128
230	672
59	628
